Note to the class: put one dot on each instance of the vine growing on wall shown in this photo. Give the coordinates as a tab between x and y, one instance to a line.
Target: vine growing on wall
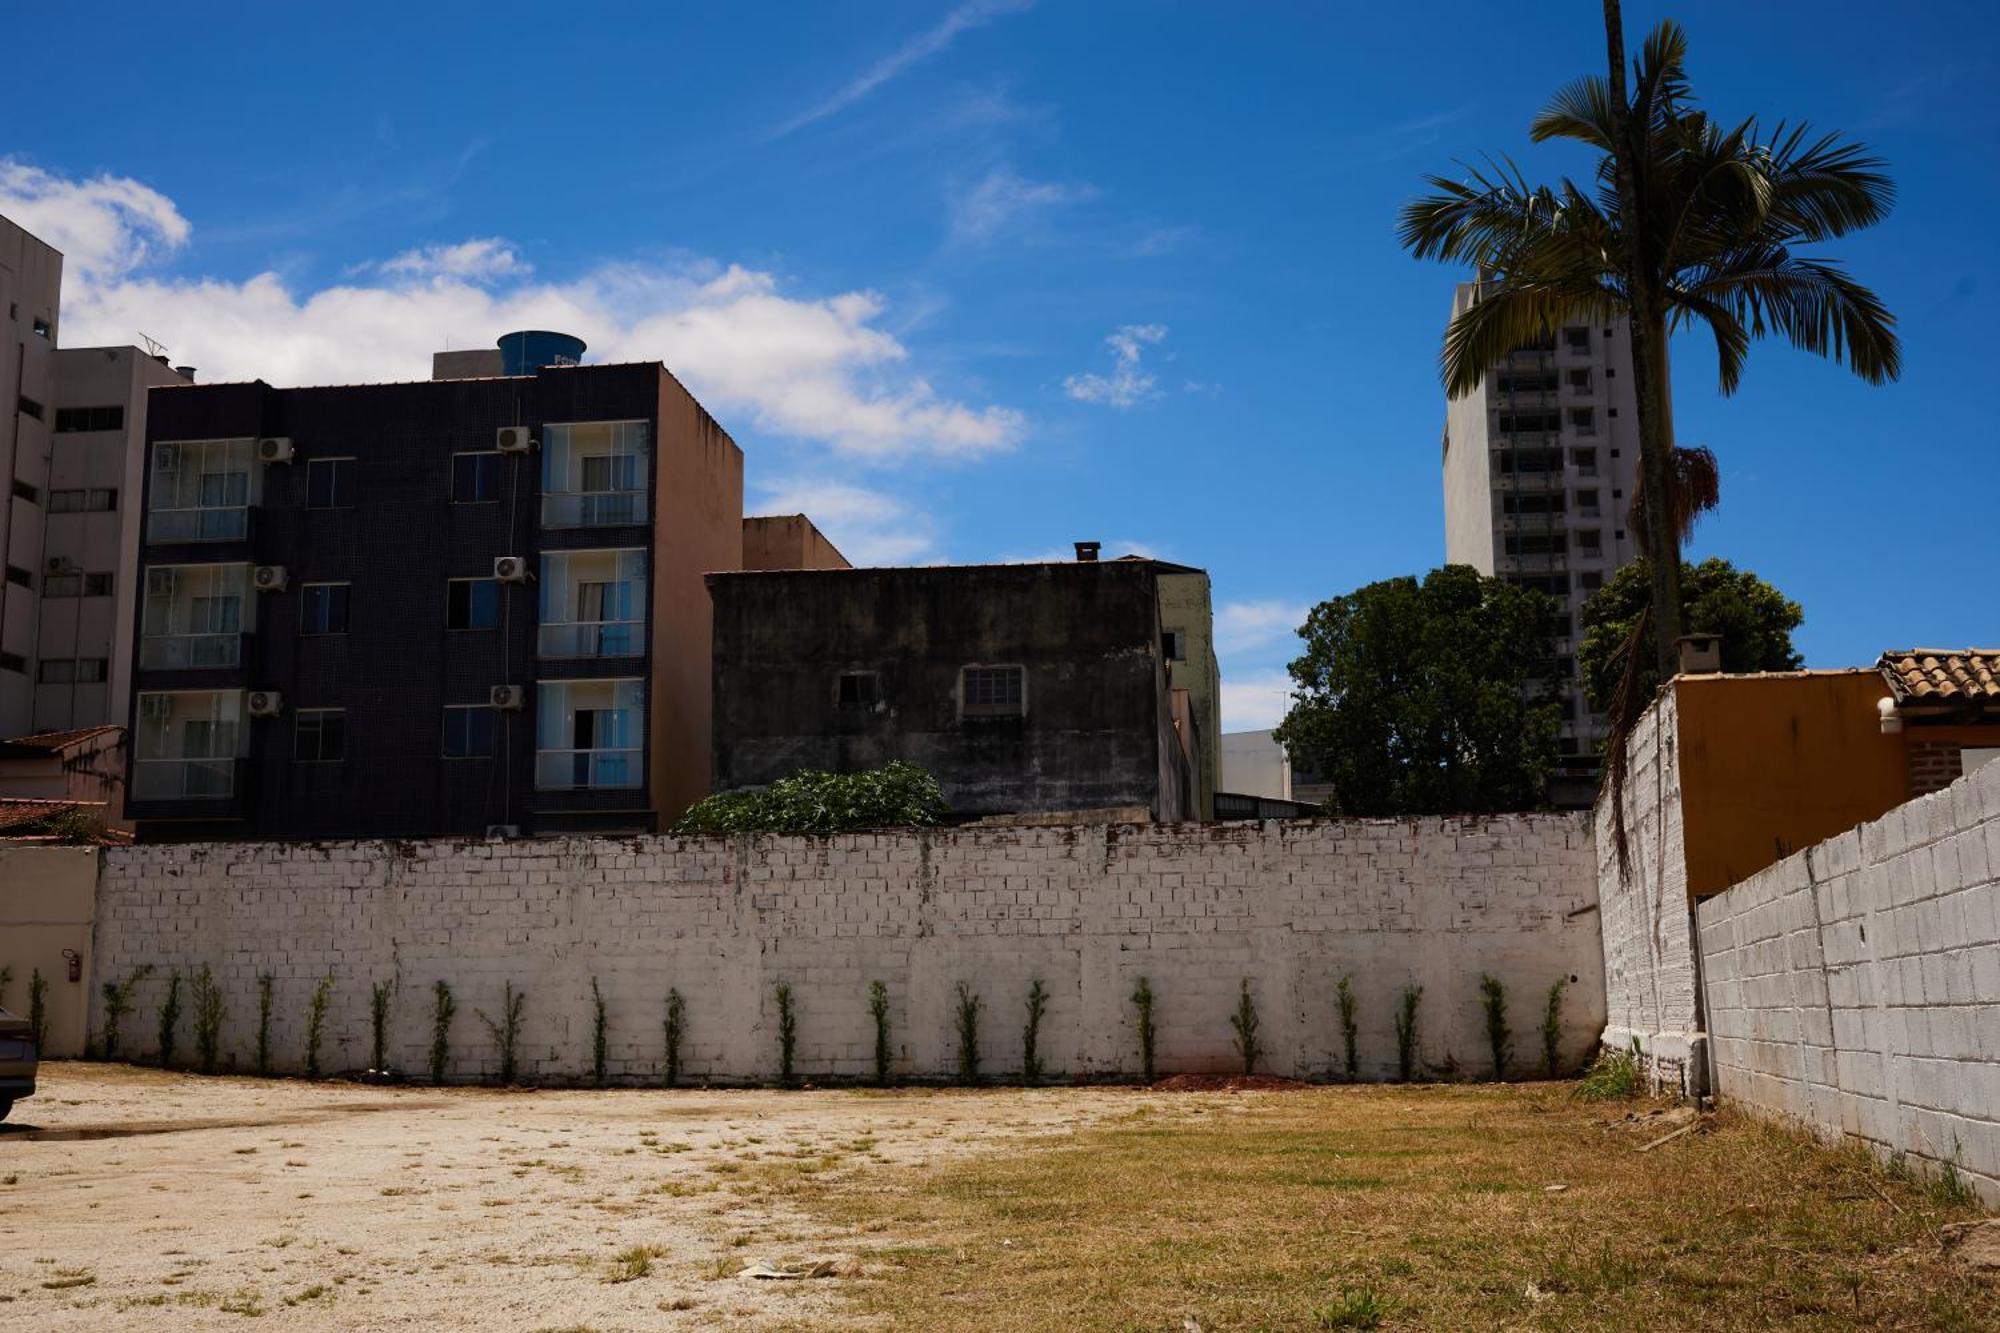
968	1035
117	1004
207	1019
379	996
788	1033
1552	1030
878	1009
1244	1021
599	1022
506	1030
1493	1000
170	1018
1142	1000
1406	1032
316	1022
265	982
38	1011
1350	1030
676	1030
443	1007
1031	1058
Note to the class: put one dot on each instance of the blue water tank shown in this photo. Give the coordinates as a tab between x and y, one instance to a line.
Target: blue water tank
527	351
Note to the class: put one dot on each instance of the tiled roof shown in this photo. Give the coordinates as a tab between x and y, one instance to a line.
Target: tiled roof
49	742
22	813
1943	675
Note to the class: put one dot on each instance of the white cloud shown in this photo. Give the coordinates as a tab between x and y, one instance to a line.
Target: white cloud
1247	627
869	527
967	16
104	226
1255	700
1004	201
811	368
1128	383
482	259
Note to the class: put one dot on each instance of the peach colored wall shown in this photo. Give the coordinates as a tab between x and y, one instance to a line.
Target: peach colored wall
1771	764
788	541
697	530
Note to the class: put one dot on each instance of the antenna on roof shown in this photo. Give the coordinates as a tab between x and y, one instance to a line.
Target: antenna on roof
154	347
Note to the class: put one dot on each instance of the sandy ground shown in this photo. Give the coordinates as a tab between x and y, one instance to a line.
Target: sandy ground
135	1199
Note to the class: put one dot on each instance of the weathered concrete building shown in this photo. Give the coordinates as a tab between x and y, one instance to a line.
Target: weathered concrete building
788	541
1023	688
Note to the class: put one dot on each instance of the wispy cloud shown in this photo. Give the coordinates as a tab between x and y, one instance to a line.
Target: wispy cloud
966	17
815	368
1164	241
1003	201
1385	143
1129	383
1255	700
1247	627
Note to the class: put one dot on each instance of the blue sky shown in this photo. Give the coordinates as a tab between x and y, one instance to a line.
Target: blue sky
970	282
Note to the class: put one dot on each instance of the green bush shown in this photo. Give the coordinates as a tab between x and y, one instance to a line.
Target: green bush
1244	1020
316	1023
170	1019
265	981
1493	1000
379	996
1552	1029
599	1022
893	796
788	1034
1031	1057
878	1009
1612	1074
118	1003
207	1018
1406	1031
968	1035
38	1010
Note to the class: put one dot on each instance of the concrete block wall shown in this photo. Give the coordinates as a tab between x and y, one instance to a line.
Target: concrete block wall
1649	962
1856	986
1088	910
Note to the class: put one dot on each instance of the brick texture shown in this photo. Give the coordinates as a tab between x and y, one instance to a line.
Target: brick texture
1856	985
1293	907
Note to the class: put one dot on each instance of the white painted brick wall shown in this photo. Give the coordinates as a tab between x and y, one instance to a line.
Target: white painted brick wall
1088	910
1856	985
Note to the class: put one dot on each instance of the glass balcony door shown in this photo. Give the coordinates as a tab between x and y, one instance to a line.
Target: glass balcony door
187	745
593	603
195	616
595	473
590	734
202	490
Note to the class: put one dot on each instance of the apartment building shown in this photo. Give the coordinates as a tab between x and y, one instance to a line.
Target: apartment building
75	448
1539	464
1027	689
461	605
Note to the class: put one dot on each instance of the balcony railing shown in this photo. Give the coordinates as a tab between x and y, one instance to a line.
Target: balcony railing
230	524
1556	522
1529	481
593	638
588	770
182	652
183	779
1536	360
1547	562
1509	399
593	509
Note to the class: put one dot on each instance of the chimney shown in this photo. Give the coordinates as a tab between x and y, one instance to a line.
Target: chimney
185	372
1086	552
1700	654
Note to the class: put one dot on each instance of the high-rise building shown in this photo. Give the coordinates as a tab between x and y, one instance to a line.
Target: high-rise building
446	606
1539	465
73	451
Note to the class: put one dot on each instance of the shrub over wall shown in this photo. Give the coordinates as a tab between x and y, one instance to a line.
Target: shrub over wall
893	796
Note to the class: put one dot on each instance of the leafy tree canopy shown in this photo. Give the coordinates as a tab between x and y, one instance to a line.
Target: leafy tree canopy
1422	697
1754	619
892	796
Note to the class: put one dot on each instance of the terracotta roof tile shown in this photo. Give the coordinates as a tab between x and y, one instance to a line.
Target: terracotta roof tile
1943	675
50	742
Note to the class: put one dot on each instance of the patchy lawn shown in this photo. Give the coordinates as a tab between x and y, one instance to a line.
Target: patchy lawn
135	1199
1446	1207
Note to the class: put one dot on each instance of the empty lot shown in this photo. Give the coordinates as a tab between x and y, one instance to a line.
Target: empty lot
173	1201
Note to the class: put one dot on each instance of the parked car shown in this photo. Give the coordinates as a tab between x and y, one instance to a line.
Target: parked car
17	1061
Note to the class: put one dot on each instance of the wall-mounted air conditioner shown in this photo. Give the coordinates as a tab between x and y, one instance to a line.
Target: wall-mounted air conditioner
264	703
276	449
510	568
270	578
513	440
509	698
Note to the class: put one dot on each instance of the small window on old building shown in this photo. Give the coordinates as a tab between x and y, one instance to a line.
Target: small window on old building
859	688
1173	645
1590	540
992	691
329	483
1577	338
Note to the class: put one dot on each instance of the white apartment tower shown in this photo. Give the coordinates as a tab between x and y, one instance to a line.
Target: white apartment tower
1539	465
71	446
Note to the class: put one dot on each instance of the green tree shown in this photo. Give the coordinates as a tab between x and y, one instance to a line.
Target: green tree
1692	222
895	795
1754	619
1422	697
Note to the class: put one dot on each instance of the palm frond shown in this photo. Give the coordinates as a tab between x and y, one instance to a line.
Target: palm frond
1823	188
1812	303
1582	110
1512	313
1732	340
1695	488
1472	220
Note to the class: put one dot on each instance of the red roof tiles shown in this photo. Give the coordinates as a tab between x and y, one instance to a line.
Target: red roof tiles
1943	675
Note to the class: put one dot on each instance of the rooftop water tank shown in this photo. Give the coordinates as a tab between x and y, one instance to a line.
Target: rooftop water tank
527	351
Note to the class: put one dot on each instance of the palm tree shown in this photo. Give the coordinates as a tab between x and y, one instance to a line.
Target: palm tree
1690	222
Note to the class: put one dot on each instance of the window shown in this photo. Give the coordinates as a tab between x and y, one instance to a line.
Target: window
1555	585
20	577
1590	540
590	734
472	604
594	473
469	731
593	603
13	662
187	744
1610	411
323	608
202	490
1173	645
1591	580
195	616
1610	372
96	500
475	478
1577	338
1579	379
992	691
78	671
1536	543
24	491
77	585
30	408
1530	422
321	737
70	419
1617	495
329	483
43	328
1583	420
859	688
1584	460
1586	501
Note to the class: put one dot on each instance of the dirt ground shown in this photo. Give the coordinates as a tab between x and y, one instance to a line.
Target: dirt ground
175	1201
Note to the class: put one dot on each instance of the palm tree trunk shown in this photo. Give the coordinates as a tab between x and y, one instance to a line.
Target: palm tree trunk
1649	346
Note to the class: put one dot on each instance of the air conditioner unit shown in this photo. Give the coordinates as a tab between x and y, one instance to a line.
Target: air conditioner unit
60	564
509	698
513	440
510	568
277	449
264	703
156	707
270	578
503	830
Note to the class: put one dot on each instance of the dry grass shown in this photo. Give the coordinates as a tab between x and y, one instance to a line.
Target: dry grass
1366	1207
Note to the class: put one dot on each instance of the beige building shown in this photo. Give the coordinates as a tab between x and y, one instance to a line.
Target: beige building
1539	465
1254	764
1187	642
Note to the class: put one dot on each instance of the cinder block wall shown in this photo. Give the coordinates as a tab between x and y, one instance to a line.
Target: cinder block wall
1195	910
1649	973
1856	985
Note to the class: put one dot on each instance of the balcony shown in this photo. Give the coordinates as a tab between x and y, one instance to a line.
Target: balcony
1531	359
183	779
188	744
593	604
194	617
190	652
588	770
1530	483
200	524
589	735
596	474
202	491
